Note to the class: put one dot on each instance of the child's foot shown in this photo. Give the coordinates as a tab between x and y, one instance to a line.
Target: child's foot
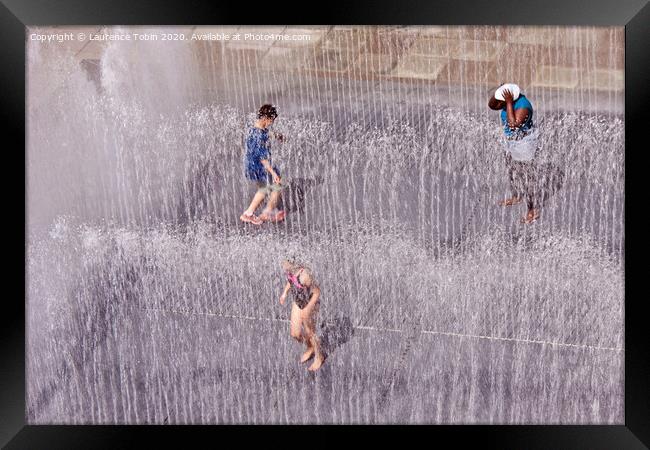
510	201
250	218
273	217
531	216
318	362
307	355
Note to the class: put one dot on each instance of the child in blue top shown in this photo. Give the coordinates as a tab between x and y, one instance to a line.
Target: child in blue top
259	169
518	130
521	145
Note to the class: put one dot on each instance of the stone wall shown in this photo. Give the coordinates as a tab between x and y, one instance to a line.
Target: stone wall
569	63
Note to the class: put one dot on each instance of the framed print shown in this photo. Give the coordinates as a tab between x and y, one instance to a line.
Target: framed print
332	224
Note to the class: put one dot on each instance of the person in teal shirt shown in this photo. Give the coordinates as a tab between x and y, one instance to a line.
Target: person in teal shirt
520	147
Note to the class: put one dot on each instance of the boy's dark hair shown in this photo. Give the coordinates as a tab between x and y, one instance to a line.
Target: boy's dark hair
268	111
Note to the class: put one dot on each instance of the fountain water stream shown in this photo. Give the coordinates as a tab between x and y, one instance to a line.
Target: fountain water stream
149	302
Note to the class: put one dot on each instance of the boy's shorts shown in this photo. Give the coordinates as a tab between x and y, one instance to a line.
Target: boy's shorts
266	184
266	187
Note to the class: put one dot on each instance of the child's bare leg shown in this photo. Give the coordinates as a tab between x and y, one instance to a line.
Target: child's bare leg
273	201
296	323
532	214
510	201
318	358
313	342
308	353
309	331
255	203
309	341
512	174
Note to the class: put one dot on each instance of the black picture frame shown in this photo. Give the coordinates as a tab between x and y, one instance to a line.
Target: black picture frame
15	15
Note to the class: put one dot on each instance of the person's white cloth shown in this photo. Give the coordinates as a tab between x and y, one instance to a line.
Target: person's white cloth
498	94
523	149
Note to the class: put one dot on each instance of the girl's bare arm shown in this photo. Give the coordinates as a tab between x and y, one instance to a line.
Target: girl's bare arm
283	297
315	290
315	294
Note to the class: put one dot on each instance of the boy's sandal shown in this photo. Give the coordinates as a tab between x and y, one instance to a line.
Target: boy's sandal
277	217
250	218
527	219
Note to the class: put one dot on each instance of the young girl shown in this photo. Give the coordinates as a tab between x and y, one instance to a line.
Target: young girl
305	293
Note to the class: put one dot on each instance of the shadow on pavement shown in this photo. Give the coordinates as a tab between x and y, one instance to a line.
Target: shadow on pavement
335	333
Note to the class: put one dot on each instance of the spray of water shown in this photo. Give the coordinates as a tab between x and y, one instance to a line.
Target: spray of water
149	302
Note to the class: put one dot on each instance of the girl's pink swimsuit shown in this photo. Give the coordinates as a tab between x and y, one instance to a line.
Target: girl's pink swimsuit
301	294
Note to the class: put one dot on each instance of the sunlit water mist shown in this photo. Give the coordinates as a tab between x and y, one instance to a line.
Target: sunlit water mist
148	301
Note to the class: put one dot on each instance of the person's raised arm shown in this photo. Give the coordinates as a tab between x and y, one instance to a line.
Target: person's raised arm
283	297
